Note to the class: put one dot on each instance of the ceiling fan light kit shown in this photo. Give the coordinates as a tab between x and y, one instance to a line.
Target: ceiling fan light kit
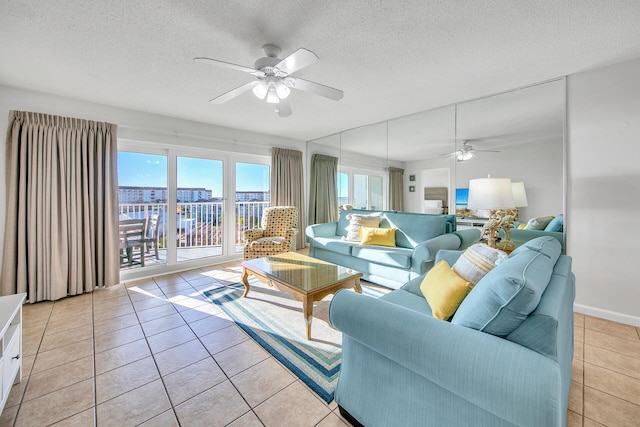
466	152
274	80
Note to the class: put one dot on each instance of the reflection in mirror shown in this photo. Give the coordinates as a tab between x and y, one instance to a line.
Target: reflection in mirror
362	167
517	135
422	142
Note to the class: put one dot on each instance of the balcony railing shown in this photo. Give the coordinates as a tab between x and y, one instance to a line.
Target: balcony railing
198	224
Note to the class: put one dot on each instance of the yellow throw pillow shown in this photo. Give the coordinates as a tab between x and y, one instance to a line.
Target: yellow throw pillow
522	226
444	290
378	236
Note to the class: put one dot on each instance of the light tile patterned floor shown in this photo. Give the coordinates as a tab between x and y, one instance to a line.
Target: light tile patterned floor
157	353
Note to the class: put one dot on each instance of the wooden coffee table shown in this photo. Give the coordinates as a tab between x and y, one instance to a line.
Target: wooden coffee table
307	279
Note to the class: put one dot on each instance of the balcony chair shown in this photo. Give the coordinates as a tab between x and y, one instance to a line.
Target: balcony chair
152	237
132	238
277	234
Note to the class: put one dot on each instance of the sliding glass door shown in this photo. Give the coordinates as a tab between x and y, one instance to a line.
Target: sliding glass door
199	208
142	194
251	197
362	189
192	207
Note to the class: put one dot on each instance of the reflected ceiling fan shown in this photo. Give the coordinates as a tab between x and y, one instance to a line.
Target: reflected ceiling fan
273	78
467	152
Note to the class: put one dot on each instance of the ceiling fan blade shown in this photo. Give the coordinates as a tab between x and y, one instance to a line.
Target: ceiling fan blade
203	60
296	61
318	89
486	151
233	93
284	108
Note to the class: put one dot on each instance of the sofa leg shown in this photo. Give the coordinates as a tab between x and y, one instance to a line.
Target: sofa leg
347	416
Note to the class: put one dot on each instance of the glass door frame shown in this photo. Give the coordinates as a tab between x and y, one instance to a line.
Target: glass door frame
229	160
351	171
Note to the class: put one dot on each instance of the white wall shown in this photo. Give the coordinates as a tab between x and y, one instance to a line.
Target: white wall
429	173
603	203
135	126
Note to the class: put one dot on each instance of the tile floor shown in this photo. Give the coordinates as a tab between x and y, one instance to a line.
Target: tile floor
157	353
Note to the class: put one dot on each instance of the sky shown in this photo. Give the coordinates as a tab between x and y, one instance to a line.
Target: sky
150	170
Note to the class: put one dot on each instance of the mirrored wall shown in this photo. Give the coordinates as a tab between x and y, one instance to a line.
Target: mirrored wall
517	134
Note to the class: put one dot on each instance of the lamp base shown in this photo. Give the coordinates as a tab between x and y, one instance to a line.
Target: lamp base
506	246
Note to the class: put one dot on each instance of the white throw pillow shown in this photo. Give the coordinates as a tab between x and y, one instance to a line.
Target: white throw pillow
477	261
356	221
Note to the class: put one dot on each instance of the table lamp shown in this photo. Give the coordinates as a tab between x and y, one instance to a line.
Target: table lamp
494	194
519	195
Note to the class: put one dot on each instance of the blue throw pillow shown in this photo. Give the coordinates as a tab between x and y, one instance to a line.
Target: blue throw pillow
503	299
556	224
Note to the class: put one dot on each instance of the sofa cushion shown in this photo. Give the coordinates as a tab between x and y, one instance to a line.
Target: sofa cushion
394	257
538	223
378	236
556	224
415	228
357	221
444	290
503	299
333	244
477	261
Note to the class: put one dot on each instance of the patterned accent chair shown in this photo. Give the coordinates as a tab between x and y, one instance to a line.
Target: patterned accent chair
277	234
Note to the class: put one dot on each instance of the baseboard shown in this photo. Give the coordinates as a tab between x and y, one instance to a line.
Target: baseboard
606	314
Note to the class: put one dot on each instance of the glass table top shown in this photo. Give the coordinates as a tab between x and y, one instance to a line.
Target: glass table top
300	271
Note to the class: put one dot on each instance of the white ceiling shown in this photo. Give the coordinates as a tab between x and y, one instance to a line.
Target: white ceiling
391	58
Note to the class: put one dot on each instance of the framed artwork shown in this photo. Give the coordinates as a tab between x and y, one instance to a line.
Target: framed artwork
412	177
412	189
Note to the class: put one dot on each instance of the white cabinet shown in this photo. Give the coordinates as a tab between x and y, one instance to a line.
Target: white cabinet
10	344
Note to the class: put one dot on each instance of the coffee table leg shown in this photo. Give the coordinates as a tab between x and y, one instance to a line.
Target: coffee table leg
357	286
307	309
245	280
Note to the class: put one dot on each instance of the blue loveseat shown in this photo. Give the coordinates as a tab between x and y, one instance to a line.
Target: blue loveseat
418	238
401	366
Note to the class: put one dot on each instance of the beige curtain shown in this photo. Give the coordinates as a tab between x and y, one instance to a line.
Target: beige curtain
287	185
323	191
61	230
396	193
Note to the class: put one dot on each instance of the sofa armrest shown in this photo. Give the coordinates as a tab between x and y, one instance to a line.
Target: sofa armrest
526	235
426	251
468	236
448	255
253	234
326	229
483	369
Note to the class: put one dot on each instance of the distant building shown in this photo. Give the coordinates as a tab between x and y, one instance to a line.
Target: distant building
252	196
130	194
190	195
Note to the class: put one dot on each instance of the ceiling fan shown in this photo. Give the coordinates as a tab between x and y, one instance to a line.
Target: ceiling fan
273	78
467	152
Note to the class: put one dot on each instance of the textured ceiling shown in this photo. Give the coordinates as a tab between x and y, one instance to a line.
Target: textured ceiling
391	58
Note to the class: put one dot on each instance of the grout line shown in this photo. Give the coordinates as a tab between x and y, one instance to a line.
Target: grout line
155	363
93	346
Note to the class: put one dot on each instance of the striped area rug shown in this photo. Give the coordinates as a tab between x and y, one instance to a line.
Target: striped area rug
274	320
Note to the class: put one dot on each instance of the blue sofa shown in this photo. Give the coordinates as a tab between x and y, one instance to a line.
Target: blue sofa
418	238
401	366
555	229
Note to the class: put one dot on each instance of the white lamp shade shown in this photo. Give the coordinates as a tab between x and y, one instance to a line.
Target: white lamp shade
282	90
272	95
260	90
519	194
490	193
